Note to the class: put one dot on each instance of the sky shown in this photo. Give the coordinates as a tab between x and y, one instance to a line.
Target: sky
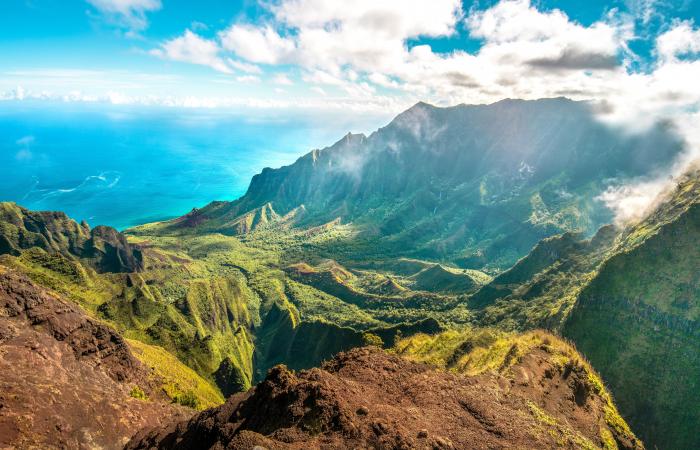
636	61
372	55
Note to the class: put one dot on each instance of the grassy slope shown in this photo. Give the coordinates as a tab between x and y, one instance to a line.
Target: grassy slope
91	290
179	381
540	290
477	351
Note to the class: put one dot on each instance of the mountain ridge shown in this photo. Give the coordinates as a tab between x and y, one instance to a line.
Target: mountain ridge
522	171
366	397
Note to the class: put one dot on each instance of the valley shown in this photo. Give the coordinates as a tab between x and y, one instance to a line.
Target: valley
451	238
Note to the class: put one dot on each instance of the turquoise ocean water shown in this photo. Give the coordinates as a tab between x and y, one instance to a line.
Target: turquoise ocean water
123	166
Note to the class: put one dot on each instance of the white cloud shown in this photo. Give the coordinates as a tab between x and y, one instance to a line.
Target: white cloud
244	67
363	53
282	80
382	80
248	79
194	49
327	34
378	105
526	52
647	10
681	39
129	14
522	33
375	17
632	201
259	45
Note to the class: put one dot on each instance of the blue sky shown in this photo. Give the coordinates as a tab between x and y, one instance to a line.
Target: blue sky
379	54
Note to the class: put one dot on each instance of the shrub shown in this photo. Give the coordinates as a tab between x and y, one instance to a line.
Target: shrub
138	393
188	398
372	339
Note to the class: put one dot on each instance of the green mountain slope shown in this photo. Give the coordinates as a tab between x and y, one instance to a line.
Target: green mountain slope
630	301
225	308
638	321
477	186
103	248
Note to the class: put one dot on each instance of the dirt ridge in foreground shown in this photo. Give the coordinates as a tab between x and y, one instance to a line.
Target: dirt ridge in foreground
368	398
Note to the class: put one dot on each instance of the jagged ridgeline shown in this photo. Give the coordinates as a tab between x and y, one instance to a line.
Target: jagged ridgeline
502	391
445	219
477	186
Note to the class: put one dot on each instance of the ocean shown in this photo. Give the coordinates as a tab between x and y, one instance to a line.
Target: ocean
128	165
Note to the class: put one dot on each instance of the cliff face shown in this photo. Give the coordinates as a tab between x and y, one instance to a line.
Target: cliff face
638	321
67	380
630	301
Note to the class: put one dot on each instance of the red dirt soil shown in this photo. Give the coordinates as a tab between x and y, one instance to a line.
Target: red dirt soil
65	379
366	398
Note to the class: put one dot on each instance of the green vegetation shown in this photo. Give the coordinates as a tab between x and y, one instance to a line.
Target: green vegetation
137	392
179	381
477	351
212	300
372	339
189	399
644	305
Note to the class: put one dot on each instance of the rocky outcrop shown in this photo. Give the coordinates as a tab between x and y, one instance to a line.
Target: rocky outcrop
110	251
367	398
68	381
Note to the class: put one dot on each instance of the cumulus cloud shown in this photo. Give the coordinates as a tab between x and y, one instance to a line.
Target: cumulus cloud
194	49
633	200
572	59
245	67
378	49
129	14
248	79
258	45
682	39
525	53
